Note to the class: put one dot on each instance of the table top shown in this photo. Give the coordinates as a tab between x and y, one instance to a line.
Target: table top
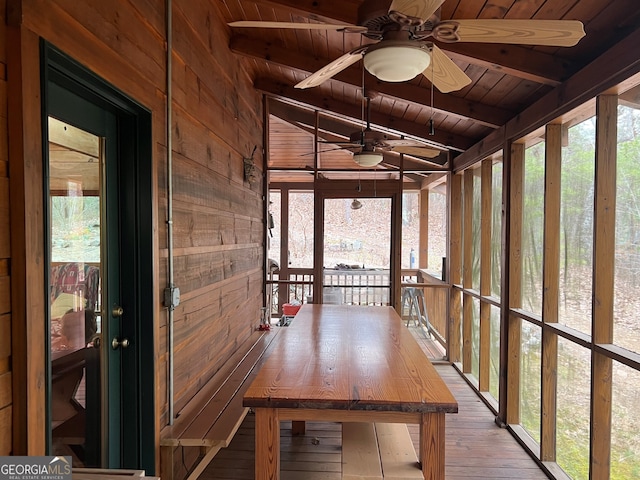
349	357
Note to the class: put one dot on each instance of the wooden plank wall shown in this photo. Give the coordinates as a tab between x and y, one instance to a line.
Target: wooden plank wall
5	279
218	216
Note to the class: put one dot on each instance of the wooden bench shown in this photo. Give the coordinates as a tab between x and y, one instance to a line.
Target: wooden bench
211	418
375	451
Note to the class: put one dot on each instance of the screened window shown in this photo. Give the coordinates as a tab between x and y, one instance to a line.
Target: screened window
627	248
576	227
301	239
533	229
437	231
496	228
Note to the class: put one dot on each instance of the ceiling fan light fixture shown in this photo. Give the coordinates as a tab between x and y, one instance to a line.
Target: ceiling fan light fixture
396	63
367	159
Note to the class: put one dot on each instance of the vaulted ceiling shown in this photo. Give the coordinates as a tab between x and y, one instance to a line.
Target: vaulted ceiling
505	79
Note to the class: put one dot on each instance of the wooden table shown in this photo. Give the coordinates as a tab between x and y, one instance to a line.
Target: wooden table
343	363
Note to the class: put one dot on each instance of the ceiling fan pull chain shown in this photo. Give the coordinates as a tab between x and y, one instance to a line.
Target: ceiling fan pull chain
432	130
364	96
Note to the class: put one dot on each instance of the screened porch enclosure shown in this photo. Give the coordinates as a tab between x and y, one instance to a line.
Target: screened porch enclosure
356	251
528	264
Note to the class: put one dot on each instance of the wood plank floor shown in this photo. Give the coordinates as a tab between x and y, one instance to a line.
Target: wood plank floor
476	448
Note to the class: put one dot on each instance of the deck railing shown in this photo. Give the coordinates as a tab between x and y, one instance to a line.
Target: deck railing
361	287
356	286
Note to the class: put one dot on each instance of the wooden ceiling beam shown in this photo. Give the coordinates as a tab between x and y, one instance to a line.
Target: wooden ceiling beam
513	60
305	119
446	104
381	121
618	64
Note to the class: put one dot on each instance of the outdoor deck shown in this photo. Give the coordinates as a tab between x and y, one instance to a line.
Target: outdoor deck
475	446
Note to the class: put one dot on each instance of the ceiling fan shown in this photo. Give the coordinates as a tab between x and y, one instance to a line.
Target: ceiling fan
368	145
403	52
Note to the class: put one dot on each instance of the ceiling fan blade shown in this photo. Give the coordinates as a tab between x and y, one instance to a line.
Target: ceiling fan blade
402	142
345	148
422	9
445	75
557	33
417	151
328	71
296	25
411	147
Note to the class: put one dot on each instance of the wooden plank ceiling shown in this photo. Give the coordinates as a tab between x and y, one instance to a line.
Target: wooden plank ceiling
505	79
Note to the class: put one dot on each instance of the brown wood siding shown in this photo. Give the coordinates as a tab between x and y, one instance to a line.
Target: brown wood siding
218	224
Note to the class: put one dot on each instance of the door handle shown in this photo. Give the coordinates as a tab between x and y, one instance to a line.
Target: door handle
117	343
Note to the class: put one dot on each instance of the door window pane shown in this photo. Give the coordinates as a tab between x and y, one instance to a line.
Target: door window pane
74	220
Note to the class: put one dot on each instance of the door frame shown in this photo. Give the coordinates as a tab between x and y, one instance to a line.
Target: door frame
324	189
136	187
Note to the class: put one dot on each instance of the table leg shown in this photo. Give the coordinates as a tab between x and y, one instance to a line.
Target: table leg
432	441
267	444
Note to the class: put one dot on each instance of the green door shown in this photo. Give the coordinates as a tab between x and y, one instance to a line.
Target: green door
96	279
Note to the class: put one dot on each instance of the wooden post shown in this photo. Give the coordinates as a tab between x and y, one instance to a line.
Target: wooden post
318	254
486	217
396	251
283	289
603	283
510	412
550	287
455	263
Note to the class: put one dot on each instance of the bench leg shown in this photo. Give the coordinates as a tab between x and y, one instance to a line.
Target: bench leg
203	462
267	444
166	462
432	443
